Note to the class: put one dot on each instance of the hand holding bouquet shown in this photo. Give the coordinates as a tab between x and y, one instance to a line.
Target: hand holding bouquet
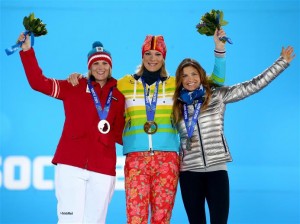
211	21
34	27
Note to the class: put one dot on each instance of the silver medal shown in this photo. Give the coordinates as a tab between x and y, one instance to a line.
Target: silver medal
103	126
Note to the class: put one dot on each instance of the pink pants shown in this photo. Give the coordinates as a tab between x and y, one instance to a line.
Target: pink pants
150	180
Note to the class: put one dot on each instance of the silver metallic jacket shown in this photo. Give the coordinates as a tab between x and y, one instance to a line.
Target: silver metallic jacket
208	143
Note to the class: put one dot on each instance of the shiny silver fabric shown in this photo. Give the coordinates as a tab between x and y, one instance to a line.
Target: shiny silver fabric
208	143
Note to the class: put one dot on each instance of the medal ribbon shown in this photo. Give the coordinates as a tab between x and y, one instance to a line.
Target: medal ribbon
190	128
101	112
15	47
223	38
150	108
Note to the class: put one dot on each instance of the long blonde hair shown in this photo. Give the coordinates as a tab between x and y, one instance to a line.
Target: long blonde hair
205	81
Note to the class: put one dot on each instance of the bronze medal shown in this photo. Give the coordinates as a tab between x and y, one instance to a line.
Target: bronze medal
150	127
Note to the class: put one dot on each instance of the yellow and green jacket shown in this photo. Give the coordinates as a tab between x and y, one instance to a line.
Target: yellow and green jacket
166	137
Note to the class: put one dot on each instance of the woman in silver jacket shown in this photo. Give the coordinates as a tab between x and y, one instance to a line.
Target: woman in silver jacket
198	109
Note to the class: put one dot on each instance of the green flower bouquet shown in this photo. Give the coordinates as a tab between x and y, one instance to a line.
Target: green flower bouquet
211	21
34	27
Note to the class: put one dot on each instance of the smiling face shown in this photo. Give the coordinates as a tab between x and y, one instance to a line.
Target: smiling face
153	60
190	78
100	70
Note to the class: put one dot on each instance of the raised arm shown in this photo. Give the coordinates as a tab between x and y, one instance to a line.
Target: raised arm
245	89
36	79
218	75
34	73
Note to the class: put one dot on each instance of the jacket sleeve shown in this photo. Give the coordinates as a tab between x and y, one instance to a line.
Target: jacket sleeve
218	75
120	119
242	90
37	80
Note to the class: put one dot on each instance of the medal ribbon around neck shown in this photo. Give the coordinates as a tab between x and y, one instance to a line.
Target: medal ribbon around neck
150	107
150	127
190	128
102	113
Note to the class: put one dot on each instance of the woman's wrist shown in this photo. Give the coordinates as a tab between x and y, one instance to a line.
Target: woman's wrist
220	53
220	47
25	48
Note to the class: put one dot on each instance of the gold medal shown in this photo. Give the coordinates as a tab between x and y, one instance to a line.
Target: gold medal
150	127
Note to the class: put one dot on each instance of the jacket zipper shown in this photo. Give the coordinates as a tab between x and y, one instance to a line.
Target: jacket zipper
150	145
150	136
224	143
200	139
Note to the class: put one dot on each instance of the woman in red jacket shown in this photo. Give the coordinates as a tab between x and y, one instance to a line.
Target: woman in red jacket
85	157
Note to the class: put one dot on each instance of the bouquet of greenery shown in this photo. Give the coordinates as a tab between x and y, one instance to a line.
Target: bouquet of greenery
34	27
211	21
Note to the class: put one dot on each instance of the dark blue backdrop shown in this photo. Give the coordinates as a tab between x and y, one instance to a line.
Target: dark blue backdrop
262	131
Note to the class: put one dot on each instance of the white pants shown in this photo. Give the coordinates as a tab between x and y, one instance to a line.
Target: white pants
82	196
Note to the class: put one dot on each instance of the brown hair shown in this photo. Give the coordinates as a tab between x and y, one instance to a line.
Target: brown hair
177	104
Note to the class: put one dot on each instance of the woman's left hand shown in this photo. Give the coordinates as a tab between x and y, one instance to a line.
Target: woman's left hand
74	78
219	45
288	53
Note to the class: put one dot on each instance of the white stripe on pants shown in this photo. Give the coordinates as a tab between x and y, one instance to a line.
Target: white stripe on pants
82	196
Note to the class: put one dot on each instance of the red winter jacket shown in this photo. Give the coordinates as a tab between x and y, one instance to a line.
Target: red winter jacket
81	144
